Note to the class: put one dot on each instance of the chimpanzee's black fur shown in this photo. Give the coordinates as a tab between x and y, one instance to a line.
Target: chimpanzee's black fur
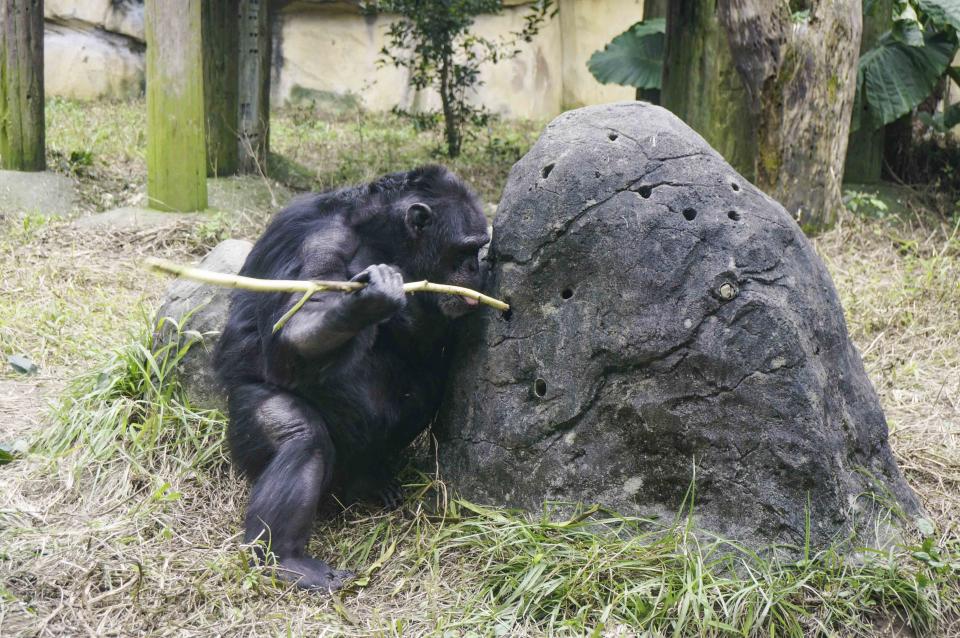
353	377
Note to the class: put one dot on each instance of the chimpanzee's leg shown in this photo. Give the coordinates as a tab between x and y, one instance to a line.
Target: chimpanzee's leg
283	444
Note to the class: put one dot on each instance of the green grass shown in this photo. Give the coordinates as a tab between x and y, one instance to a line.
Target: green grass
103	144
358	147
132	410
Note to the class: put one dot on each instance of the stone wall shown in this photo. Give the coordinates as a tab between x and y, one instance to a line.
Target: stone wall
93	49
327	51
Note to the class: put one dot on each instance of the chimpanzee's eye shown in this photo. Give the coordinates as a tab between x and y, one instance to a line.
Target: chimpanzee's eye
472	263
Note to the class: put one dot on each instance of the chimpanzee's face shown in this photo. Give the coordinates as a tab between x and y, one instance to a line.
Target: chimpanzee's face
449	232
461	263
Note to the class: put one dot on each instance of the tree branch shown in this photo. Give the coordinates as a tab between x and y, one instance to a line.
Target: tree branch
307	287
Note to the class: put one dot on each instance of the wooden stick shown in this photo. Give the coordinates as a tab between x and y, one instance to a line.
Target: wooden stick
307	287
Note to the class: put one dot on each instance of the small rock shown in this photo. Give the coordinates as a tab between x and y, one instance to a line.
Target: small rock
22	364
201	311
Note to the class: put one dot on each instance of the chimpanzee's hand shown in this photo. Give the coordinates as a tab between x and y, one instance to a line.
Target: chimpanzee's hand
383	295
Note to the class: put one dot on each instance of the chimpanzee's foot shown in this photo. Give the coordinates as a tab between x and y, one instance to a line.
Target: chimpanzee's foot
310	573
375	489
391	494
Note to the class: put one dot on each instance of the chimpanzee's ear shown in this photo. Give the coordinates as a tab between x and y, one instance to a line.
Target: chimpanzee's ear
418	218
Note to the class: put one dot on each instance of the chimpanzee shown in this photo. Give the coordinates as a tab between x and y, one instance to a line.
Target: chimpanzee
351	377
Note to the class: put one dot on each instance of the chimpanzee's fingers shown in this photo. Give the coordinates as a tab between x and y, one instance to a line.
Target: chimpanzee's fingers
379	277
363	277
396	278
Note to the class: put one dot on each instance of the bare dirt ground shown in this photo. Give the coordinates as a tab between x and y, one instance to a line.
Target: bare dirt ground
23	406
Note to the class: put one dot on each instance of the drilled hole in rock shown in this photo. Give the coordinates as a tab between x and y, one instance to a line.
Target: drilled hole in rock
689	214
546	170
734	215
540	388
735	186
567	293
644	191
613	136
507	314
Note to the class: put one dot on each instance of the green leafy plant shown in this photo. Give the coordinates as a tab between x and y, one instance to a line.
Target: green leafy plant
433	41
943	121
866	204
633	58
908	62
10	452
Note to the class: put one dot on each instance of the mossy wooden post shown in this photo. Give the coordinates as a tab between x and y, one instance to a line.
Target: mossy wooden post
254	60
220	84
865	150
22	135
701	85
176	141
652	9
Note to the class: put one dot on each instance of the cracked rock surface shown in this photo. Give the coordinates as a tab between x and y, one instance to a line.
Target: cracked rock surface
666	315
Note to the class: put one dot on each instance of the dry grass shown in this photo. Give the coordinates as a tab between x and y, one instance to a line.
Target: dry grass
900	286
137	531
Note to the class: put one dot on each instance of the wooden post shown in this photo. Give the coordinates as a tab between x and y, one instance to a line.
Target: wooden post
176	144
865	148
701	84
254	85
22	142
652	9
220	84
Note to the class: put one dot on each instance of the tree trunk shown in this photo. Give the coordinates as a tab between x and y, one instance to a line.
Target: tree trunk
254	61
654	9
220	84
865	148
176	142
22	142
800	76
701	85
450	116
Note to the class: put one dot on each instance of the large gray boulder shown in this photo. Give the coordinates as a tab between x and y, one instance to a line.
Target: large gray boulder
195	313
670	326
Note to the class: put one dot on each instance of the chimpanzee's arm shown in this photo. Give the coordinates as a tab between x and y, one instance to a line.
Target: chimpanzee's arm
329	320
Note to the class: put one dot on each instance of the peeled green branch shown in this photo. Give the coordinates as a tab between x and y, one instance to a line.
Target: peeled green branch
307	287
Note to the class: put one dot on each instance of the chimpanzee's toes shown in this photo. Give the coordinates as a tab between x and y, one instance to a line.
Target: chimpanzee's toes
312	574
392	495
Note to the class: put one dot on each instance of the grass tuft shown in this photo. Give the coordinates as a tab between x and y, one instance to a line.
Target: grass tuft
133	411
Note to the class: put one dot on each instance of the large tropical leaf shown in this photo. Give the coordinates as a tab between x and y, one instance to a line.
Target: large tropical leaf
942	12
893	77
633	58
